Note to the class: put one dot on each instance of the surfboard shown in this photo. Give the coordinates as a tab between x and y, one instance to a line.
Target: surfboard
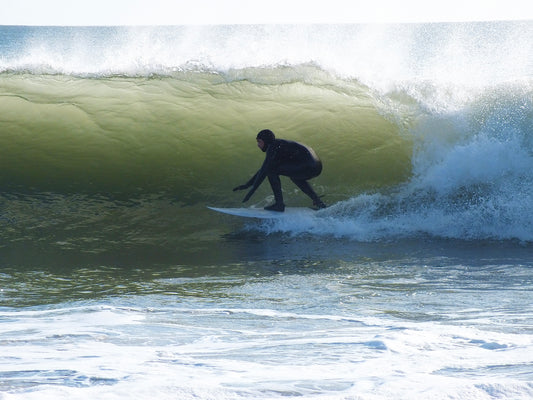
260	213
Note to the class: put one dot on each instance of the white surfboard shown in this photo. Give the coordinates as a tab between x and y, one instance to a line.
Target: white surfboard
290	212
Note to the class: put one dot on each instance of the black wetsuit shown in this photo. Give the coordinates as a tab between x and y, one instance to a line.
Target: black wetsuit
288	158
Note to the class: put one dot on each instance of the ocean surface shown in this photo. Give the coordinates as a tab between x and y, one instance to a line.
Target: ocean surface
116	281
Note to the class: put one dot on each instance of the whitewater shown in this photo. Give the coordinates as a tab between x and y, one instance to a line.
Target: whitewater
116	281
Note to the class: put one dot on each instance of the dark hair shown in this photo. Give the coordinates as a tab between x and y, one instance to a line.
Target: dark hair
267	136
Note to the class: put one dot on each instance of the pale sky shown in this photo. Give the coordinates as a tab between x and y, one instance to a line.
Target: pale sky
179	12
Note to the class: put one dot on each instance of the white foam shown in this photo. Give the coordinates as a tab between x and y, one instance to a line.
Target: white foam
379	55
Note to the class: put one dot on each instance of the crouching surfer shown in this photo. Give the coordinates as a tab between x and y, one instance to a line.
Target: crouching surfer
287	158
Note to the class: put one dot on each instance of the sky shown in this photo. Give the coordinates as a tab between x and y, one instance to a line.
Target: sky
185	12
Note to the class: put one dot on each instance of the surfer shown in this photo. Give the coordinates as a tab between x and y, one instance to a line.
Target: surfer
287	158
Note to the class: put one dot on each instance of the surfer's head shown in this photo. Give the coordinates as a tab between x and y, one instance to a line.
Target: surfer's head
265	138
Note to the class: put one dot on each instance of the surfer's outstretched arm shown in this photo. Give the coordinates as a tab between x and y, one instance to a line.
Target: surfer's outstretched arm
260	175
247	184
257	179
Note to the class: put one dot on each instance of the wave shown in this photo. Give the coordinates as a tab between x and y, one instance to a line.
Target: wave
419	130
471	177
187	134
378	55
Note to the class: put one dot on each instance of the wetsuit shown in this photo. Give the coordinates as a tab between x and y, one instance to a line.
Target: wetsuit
288	158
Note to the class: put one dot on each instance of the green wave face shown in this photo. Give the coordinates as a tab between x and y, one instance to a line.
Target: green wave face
190	133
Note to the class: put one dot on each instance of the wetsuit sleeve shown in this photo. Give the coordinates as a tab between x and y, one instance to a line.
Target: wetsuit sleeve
251	181
246	185
260	175
256	180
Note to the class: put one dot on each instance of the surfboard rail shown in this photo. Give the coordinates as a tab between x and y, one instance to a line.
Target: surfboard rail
260	213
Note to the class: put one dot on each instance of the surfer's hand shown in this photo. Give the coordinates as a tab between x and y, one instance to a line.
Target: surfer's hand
240	187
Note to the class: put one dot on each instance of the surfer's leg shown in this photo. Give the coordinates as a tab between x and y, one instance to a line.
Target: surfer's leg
275	184
308	190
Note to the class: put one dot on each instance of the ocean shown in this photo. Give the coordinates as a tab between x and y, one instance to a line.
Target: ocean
416	282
